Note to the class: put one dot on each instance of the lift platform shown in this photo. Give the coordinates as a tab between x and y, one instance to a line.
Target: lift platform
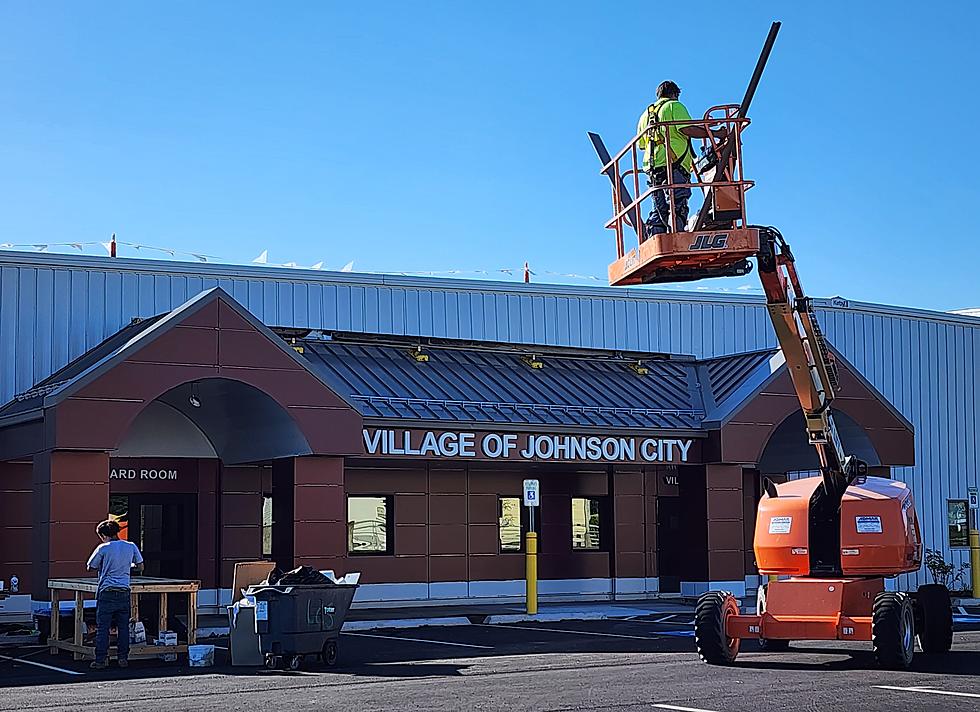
717	242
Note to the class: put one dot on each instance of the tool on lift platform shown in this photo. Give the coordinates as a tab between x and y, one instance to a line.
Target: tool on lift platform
837	536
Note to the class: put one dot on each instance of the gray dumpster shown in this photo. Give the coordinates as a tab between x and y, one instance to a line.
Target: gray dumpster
294	621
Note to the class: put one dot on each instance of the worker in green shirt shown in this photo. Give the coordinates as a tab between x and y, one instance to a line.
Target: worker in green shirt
672	141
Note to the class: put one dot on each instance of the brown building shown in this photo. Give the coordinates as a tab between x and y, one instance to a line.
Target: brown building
219	440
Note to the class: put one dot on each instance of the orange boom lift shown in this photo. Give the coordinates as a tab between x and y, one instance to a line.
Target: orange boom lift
827	543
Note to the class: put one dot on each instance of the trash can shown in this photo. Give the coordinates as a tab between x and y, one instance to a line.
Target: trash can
297	620
243	641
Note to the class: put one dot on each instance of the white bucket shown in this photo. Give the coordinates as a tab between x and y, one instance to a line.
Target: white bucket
200	655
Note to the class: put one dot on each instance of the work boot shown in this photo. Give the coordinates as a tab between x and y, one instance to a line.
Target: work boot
99	664
123	663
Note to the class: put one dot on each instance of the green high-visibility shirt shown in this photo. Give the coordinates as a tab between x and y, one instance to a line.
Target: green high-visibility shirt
665	110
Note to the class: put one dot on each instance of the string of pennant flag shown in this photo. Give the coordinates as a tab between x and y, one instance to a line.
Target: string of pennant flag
524	272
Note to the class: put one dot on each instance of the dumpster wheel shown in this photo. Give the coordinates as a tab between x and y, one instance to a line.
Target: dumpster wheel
329	653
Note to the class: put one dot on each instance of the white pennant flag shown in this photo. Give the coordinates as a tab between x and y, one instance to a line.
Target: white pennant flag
318	265
262	259
349	267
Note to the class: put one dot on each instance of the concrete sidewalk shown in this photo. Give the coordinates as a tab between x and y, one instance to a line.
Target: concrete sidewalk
369	619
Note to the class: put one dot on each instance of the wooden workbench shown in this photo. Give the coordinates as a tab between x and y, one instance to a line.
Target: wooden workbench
139	586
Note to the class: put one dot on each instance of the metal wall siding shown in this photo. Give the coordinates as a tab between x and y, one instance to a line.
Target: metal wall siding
54	308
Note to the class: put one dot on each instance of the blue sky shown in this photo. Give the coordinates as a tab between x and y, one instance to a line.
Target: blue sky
418	137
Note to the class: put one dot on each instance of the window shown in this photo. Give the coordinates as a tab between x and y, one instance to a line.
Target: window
586	524
267	525
957	513
510	524
369	525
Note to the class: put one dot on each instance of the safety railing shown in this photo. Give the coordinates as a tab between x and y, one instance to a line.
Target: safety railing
626	170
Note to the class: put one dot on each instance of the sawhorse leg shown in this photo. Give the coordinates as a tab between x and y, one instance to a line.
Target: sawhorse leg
79	622
55	620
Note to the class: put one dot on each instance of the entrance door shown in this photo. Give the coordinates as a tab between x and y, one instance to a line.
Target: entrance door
670	544
165	529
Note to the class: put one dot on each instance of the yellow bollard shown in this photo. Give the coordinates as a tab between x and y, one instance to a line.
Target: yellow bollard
975	561
531	571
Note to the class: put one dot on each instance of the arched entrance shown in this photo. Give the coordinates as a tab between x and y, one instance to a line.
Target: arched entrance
787	449
196	459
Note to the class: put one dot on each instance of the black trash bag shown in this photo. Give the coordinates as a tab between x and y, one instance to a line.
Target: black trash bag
303	575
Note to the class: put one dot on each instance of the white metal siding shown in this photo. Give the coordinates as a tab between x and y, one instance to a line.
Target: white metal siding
54	308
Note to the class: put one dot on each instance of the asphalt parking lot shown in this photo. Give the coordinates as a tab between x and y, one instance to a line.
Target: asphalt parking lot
644	663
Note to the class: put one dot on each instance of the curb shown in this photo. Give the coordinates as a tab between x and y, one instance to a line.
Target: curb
547	617
351	626
568	616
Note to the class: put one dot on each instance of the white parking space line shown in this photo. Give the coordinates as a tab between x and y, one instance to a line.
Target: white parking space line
421	640
571	632
41	665
682	709
929	691
666	618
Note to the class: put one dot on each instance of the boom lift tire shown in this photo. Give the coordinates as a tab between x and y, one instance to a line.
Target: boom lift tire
893	630
713	644
934	618
768	645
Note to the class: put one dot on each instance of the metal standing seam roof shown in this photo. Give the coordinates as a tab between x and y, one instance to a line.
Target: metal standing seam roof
488	386
727	373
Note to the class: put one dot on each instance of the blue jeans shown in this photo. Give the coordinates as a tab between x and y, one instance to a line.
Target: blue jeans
112	609
659	220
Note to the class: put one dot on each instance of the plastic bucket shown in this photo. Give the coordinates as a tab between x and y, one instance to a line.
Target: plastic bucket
200	655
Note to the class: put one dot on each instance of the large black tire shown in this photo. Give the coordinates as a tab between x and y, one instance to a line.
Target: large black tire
768	645
893	630
934	618
713	644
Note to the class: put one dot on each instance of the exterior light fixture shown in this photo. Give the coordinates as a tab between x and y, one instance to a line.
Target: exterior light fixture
639	368
194	400
533	361
417	354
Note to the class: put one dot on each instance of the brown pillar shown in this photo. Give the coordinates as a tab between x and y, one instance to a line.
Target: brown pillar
208	524
71	496
316	532
726	552
629	565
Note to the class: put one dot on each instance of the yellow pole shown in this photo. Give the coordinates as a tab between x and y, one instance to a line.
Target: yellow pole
975	561
531	571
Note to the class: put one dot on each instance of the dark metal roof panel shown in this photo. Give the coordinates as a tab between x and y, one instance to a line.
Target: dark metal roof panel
496	386
727	373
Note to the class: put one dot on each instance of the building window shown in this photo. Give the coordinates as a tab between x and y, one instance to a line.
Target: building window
510	524
957	514
267	525
369	525
587	524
